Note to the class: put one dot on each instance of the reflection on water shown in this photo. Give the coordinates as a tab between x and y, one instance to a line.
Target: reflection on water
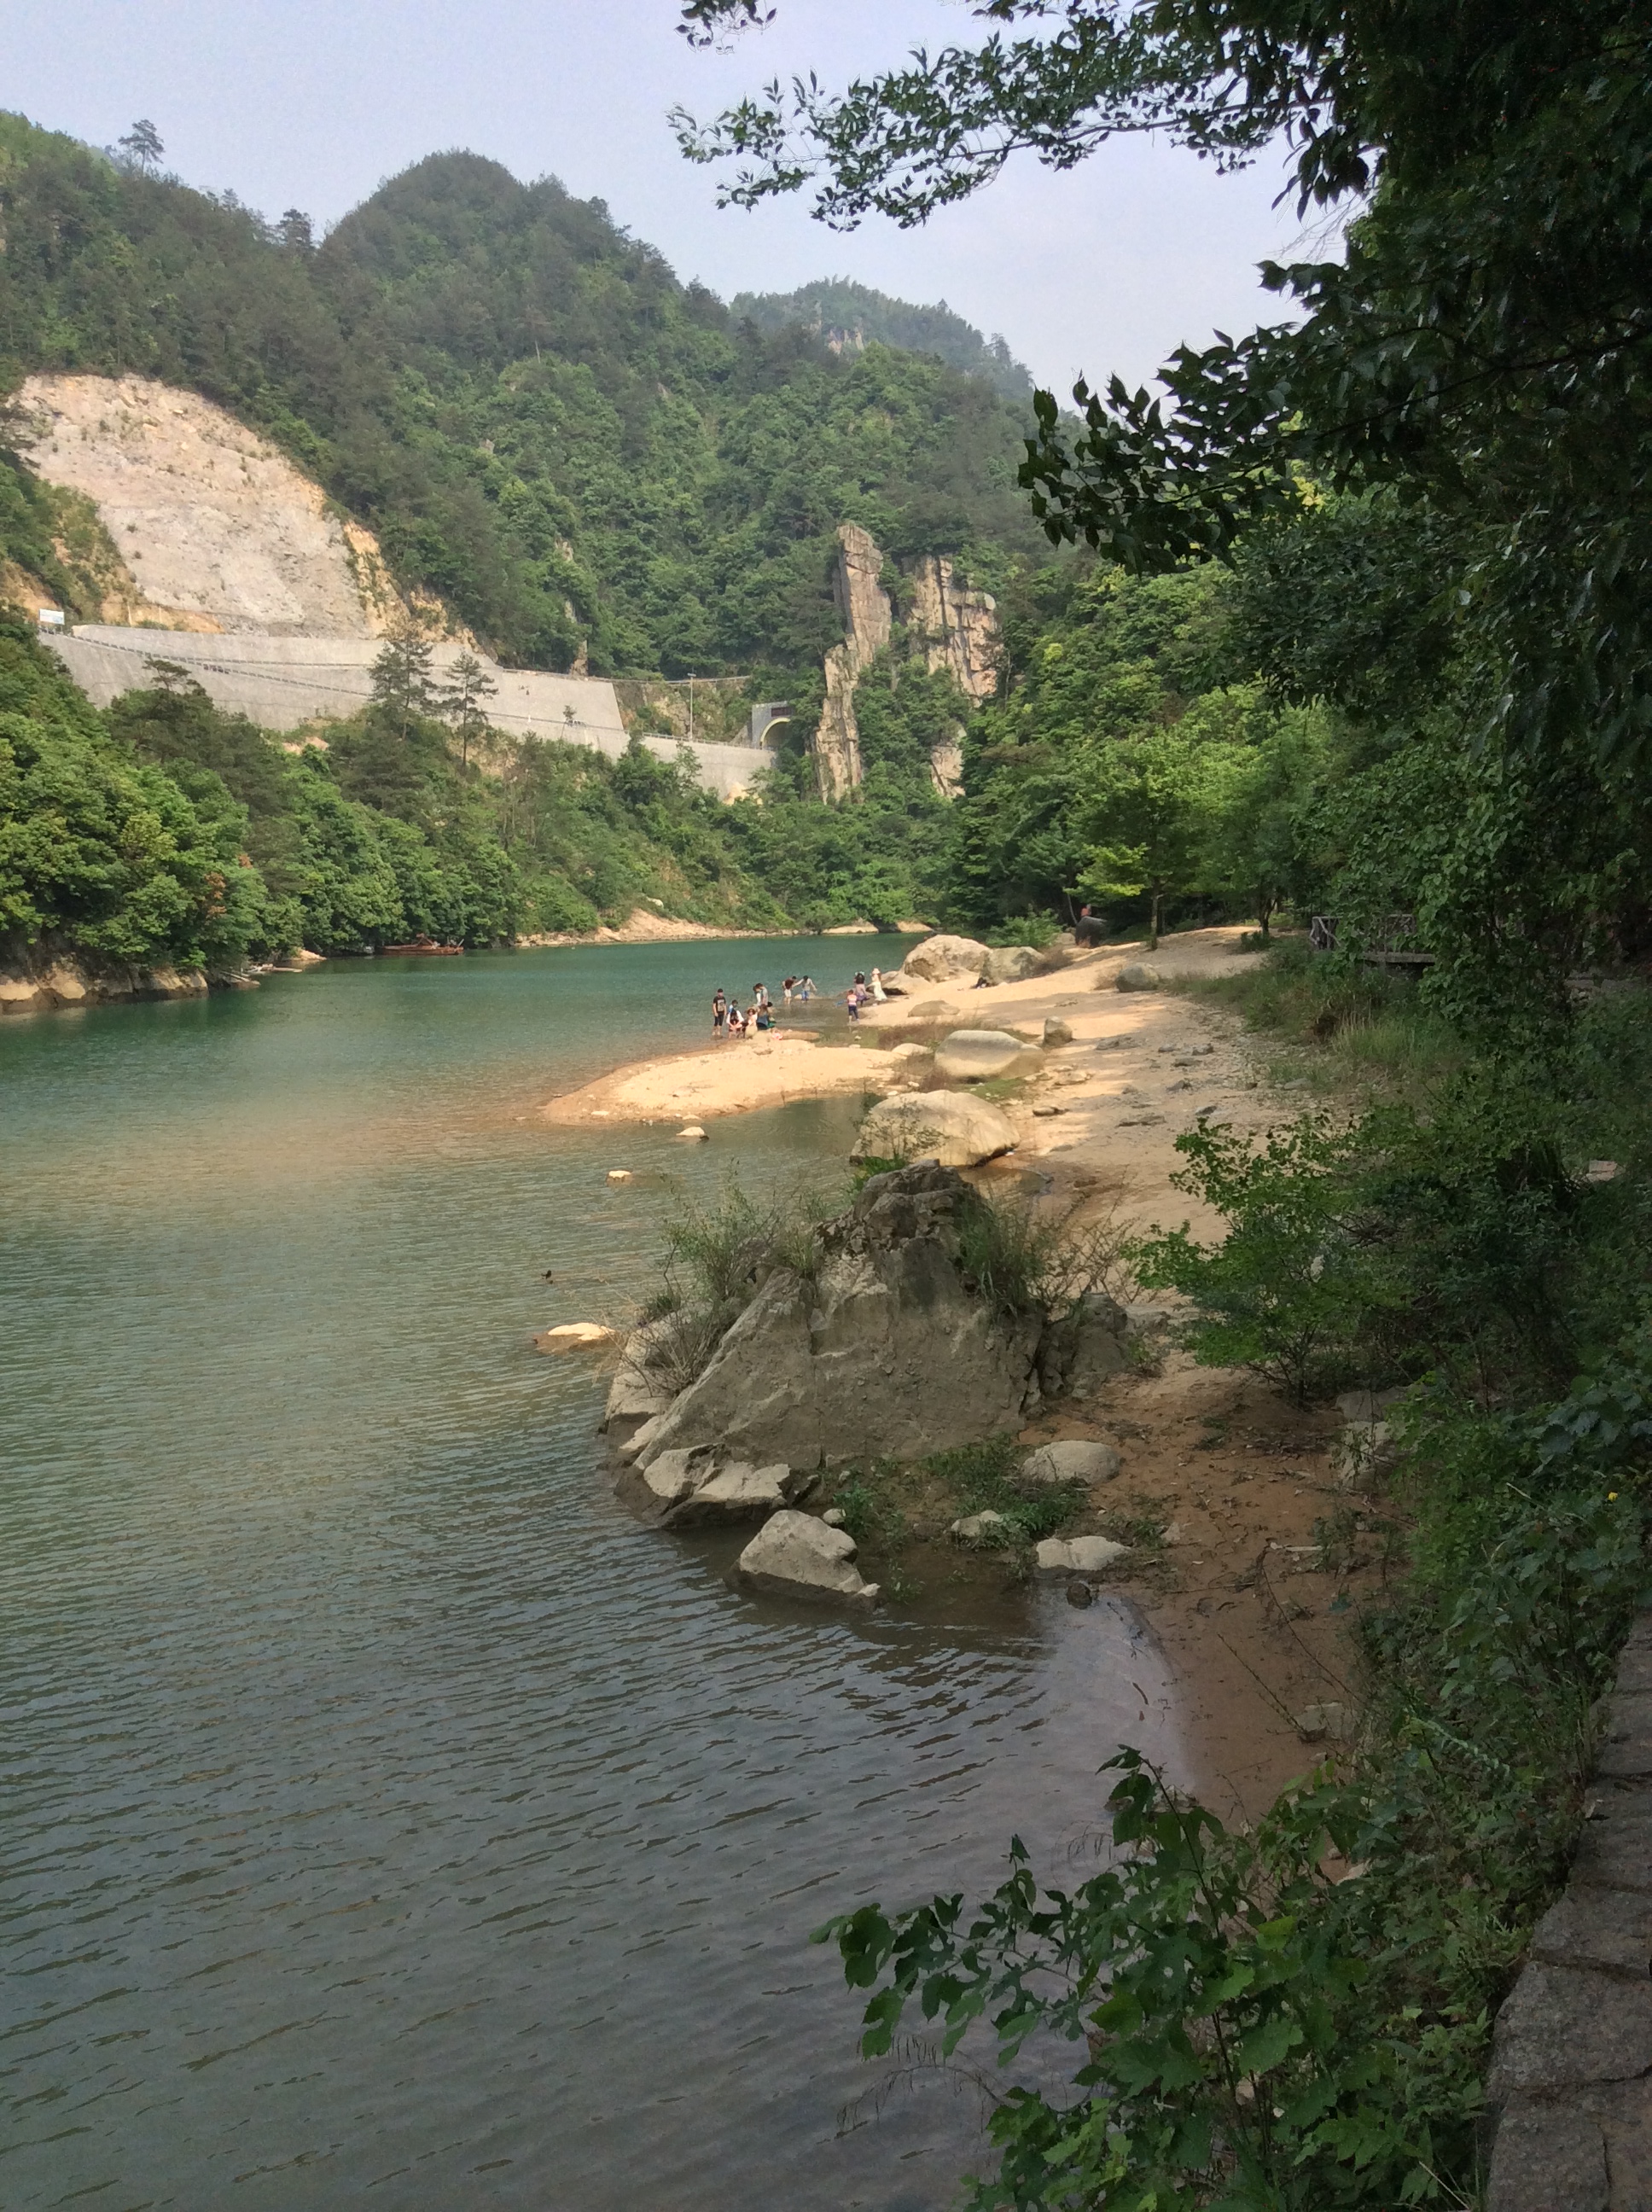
381	1809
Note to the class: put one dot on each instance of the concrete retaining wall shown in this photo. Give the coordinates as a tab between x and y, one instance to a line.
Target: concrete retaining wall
283	683
1572	2074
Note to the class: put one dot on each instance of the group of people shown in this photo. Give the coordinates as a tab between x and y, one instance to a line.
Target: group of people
860	991
728	1021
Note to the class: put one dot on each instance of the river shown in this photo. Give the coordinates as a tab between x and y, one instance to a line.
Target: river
384	1815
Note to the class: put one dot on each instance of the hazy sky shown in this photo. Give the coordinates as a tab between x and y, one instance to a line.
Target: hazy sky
290	103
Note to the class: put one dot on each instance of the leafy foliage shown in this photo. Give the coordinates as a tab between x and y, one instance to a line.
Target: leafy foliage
542	425
1298	2017
850	316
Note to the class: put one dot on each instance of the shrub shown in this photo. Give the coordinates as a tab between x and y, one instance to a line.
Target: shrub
1026	1261
1255	2034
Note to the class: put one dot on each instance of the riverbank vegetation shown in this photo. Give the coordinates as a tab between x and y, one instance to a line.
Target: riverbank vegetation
1377	574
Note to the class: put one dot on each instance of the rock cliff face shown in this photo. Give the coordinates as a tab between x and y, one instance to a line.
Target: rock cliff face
865	607
957	626
214	529
951	626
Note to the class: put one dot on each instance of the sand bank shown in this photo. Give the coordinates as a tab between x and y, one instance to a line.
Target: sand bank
729	1078
1237	1603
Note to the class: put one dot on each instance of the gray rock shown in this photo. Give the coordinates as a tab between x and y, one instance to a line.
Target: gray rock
1137	976
1607	1930
973	1527
835	1516
949	1125
669	1477
1548	2158
1048	1113
883	1349
978	1055
1057	1031
1077	1356
641	1439
945	960
1074	1462
1078	1555
1561	2030
738	1492
640	1388
1010	964
1080	1594
1317	1723
795	1555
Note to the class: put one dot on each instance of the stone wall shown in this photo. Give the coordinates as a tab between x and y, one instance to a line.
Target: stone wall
1572	2074
283	683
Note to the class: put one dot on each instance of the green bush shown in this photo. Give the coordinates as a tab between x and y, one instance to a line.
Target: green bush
1253	2033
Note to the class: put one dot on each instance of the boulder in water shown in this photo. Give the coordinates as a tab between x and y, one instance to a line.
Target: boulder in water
795	1555
575	1336
881	1347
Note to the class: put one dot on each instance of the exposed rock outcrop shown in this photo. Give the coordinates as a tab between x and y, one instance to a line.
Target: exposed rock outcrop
957	626
45	981
882	1348
864	607
950	626
214	528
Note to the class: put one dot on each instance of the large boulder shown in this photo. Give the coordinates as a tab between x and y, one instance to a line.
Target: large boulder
1074	1461
945	960
795	1555
1010	964
1139	977
881	1347
946	1126
978	1055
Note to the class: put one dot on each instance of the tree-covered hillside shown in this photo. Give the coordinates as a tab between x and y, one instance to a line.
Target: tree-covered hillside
850	317
541	424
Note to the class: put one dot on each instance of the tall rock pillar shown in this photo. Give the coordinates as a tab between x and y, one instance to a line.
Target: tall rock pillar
865	607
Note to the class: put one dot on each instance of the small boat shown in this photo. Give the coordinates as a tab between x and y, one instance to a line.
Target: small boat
419	945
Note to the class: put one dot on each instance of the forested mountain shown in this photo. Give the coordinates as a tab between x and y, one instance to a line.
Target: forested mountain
850	317
542	425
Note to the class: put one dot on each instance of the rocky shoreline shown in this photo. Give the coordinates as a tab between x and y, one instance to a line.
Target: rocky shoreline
874	1343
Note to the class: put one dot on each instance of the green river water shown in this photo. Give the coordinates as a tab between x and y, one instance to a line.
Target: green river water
384	1815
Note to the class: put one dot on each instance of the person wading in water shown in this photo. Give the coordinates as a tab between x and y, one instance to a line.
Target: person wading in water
719	1015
